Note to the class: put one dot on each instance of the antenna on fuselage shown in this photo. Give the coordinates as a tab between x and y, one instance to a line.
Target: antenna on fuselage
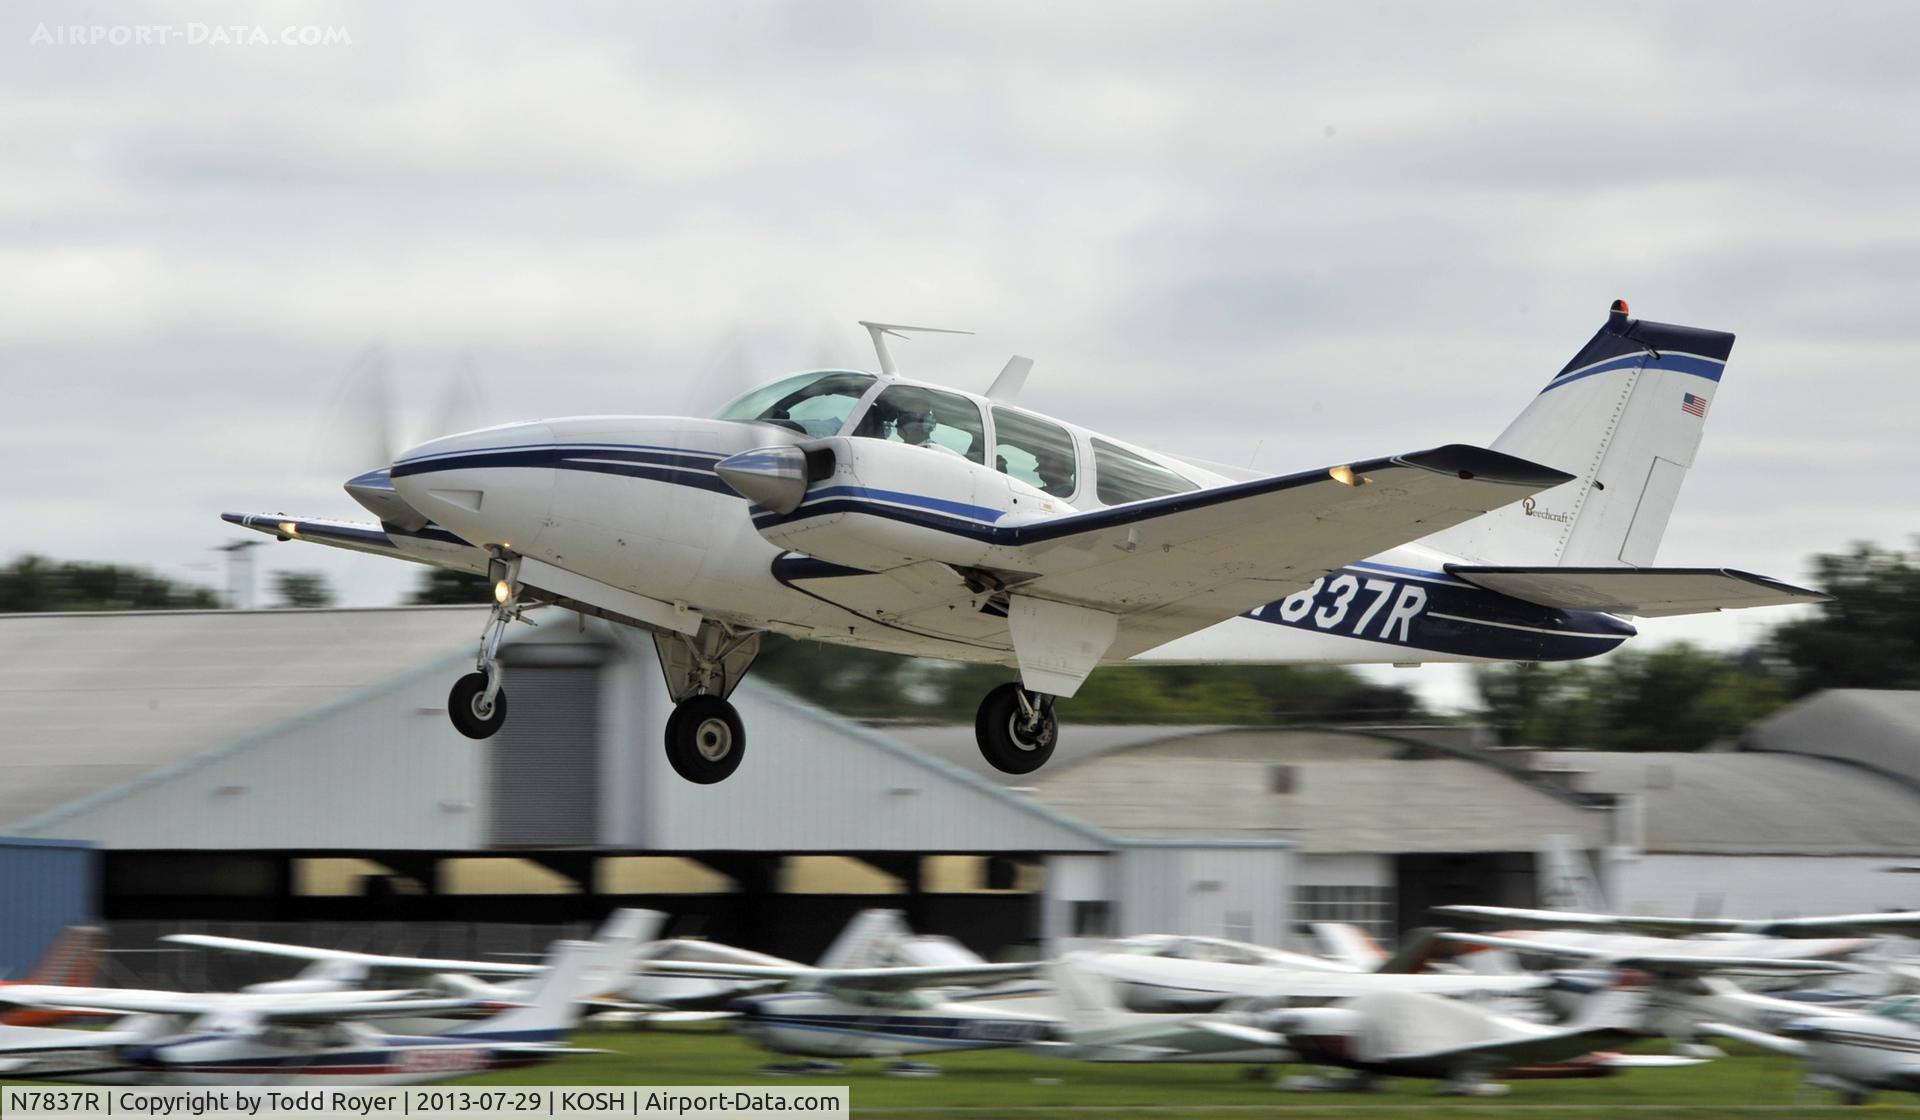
1013	378
880	331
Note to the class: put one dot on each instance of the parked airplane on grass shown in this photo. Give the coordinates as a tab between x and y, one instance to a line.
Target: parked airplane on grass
1397	1033
229	1038
877	511
1857	1053
1148	978
881	1011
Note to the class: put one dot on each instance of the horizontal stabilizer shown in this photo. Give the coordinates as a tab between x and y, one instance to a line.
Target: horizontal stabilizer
1641	592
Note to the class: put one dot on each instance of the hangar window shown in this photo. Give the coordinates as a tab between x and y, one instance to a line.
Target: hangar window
926	418
1092	918
1122	476
1034	451
813	404
1369	908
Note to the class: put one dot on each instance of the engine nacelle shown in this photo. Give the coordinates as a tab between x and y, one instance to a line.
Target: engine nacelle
878	504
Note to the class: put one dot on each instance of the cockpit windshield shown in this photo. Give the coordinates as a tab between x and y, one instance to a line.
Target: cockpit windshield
813	404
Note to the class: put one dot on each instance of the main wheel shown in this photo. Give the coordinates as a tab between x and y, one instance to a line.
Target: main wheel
1008	742
466	707
705	739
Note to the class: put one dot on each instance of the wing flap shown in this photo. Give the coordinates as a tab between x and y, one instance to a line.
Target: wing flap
1642	592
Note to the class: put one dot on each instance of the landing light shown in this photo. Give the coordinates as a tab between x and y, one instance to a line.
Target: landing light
502	591
289	529
1344	475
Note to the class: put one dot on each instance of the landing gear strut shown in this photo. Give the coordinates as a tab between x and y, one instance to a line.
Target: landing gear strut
705	738
478	704
1016	729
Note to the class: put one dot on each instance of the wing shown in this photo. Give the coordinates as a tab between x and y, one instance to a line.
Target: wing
1642	592
862	979
1903	922
1758	1038
302	1006
1170	566
38	1040
1573	919
1665	964
428	544
371	960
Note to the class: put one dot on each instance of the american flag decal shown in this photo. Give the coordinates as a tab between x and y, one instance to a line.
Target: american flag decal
1695	405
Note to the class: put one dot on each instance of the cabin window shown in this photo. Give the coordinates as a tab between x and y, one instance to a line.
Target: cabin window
1034	451
1122	476
927	418
813	404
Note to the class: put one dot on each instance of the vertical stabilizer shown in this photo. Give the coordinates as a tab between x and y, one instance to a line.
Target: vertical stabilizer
71	960
866	940
576	971
1625	418
1565	879
1086	998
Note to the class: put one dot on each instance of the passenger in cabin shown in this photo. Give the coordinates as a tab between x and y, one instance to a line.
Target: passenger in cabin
1056	473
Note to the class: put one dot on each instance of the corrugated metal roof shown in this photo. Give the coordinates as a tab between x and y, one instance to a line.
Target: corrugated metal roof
1753	803
1351	792
90	702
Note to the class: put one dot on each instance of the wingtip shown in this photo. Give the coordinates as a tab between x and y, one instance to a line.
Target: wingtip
1483	463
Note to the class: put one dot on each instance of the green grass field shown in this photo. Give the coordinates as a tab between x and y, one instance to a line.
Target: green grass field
996	1083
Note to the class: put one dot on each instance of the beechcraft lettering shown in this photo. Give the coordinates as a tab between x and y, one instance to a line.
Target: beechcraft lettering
873	510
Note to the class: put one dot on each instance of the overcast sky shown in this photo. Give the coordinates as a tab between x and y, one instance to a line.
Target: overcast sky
1290	235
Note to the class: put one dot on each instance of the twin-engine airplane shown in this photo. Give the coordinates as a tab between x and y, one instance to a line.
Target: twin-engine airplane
878	511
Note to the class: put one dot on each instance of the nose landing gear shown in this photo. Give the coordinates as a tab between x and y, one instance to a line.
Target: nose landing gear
1016	729
478	704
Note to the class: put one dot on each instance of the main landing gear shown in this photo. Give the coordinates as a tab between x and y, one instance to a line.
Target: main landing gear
1016	729
705	739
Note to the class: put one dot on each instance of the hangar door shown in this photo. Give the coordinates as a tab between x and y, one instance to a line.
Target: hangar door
544	779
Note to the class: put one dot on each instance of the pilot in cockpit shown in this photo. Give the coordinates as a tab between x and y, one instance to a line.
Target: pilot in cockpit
914	423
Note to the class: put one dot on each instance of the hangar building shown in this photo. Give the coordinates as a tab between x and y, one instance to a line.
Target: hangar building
298	766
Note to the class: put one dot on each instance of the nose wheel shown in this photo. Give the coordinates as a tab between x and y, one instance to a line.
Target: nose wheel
473	715
1016	729
478	704
705	739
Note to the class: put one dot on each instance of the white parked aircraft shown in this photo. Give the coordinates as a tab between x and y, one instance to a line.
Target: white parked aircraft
1858	1053
1384	1032
1148	978
226	1038
877	511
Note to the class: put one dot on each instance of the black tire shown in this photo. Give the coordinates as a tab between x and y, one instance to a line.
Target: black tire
463	707
1004	742
705	740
